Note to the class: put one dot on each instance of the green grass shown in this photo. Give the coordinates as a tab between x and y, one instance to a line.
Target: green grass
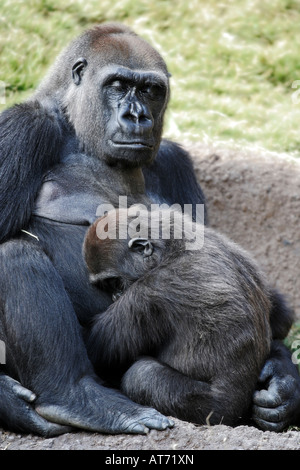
232	63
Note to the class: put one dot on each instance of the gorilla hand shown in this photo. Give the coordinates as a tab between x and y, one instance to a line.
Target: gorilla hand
277	404
17	411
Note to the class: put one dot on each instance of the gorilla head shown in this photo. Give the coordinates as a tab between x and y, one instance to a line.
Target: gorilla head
113	87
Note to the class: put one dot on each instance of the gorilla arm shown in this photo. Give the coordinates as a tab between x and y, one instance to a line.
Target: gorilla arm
30	143
276	404
171	178
127	329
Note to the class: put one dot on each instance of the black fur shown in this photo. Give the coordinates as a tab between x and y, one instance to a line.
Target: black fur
201	314
181	186
56	166
282	316
31	138
276	403
51	190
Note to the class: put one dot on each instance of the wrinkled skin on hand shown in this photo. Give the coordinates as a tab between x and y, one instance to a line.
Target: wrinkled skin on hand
277	403
17	408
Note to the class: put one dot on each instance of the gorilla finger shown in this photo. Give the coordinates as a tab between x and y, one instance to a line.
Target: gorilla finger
267	398
167	422
136	428
275	415
267	426
44	428
153	419
23	393
158	422
267	372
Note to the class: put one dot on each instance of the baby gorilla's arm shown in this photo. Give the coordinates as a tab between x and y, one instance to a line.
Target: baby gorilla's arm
132	326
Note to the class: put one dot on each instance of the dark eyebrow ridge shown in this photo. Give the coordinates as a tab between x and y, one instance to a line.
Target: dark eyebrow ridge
131	76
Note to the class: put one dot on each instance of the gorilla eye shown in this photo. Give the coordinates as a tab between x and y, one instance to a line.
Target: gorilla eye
118	86
154	92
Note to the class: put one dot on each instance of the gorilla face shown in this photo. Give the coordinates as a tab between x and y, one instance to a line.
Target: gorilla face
117	106
134	102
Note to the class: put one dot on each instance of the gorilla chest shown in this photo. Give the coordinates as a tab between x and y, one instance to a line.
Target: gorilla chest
63	245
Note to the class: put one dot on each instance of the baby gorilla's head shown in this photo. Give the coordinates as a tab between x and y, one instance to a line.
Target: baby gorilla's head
118	250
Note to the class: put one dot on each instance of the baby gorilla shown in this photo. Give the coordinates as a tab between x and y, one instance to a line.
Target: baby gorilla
189	329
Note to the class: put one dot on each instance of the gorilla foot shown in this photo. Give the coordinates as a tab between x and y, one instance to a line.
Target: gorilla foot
135	420
18	413
95	408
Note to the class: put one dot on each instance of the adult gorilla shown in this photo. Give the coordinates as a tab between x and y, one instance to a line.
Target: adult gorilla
80	142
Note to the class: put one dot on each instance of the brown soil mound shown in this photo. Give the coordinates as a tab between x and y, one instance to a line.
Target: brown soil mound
254	198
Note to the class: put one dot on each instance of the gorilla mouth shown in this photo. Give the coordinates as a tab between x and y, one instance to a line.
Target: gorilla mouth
135	144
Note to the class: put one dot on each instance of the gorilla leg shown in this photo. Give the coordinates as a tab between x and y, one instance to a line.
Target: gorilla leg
152	383
46	354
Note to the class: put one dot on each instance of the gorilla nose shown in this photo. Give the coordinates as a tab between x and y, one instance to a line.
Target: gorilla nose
134	117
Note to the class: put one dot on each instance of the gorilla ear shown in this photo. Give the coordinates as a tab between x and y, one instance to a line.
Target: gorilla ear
141	244
78	70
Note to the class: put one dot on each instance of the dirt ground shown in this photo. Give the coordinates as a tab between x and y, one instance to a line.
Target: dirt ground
253	197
